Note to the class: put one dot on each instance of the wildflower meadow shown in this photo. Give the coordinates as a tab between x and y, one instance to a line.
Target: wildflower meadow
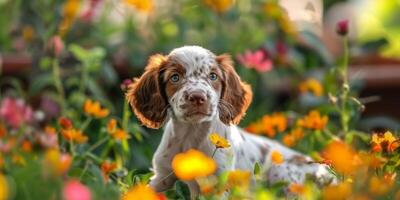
67	131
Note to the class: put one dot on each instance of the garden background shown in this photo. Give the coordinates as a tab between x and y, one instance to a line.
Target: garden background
324	74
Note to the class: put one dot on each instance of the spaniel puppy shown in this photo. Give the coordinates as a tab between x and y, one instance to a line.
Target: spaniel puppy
194	93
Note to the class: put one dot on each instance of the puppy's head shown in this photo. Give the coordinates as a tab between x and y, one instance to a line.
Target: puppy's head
193	85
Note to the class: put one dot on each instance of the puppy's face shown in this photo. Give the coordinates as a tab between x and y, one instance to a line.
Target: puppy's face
193	84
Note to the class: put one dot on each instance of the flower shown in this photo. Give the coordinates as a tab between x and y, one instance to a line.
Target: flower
106	168
257	60
28	33
311	85
144	6
342	27
219	6
337	192
15	112
125	84
277	157
239	178
115	132
272	9
69	12
65	123
313	120
93	108
269	124
140	192
89	13
55	45
192	164
218	141
18	160
74	135
75	190
4	188
381	185
291	138
3	130
26	146
342	157
50	138
58	163
386	142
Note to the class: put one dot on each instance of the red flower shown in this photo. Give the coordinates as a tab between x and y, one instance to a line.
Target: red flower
65	123
15	112
257	60
342	27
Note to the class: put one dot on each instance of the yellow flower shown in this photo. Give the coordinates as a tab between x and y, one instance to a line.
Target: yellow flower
337	192
385	141
50	130
74	135
219	6
313	120
58	162
69	12
140	192
313	86
269	124
300	190
277	157
272	9
18	159
28	33
4	189
93	108
115	132
193	164
342	157
219	141
239	179
145	6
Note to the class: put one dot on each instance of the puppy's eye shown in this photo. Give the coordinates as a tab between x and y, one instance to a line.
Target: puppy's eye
213	76
174	78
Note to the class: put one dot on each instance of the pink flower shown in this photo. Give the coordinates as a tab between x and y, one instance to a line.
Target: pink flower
74	190
87	16
15	112
56	45
257	60
125	84
342	27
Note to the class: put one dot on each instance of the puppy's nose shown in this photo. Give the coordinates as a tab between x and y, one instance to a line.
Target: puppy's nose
197	98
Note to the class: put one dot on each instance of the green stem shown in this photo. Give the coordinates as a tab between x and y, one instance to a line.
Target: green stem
125	120
345	88
97	144
58	84
86	123
82	86
215	150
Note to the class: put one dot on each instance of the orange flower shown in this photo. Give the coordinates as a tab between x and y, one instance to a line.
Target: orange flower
239	179
219	141
298	189
277	157
74	135
69	12
269	124
26	146
313	86
313	120
291	138
140	192
50	130
94	109
386	142
193	164
219	6
106	168
116	133
59	163
342	157
381	185
272	9
337	192
145	6
28	33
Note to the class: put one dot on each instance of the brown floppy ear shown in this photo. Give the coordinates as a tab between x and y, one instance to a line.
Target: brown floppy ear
145	95
236	95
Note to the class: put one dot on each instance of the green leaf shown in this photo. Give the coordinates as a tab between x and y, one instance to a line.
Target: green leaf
257	169
182	191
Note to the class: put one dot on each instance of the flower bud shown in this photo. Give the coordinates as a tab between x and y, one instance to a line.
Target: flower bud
342	27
